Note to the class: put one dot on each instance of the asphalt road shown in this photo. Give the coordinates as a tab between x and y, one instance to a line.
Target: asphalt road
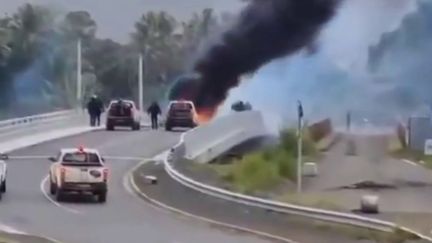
124	218
175	195
404	189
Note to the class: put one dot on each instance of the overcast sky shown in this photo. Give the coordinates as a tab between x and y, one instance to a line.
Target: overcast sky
115	18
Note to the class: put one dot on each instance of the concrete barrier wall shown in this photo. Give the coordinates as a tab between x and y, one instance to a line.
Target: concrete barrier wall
320	130
420	129
208	141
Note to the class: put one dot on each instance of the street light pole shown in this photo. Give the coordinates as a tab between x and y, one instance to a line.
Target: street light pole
79	74
140	83
299	147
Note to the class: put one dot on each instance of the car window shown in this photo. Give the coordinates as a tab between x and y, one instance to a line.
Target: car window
181	106
81	158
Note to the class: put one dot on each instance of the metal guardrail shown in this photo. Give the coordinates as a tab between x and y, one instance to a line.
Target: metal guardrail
177	152
24	121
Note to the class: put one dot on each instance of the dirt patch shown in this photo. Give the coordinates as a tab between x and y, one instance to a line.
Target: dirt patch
369	185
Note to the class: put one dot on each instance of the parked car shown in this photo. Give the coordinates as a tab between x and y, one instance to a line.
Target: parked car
123	113
3	173
181	113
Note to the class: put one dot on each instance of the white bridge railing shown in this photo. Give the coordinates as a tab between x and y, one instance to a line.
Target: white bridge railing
17	123
204	141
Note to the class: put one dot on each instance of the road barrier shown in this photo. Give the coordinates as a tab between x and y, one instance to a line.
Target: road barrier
202	135
209	141
36	119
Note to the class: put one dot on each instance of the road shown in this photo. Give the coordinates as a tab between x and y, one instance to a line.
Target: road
124	218
404	189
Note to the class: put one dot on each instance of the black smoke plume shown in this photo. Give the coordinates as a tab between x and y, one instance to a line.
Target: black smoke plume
265	30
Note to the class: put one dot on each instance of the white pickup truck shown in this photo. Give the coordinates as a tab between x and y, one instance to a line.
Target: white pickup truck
3	173
78	170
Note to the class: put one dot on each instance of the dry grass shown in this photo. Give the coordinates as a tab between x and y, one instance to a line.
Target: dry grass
4	239
309	200
394	144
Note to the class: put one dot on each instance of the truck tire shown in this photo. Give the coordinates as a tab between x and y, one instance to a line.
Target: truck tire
3	187
109	127
168	128
59	195
53	188
136	126
102	197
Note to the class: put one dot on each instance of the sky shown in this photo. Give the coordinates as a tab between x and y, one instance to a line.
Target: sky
115	18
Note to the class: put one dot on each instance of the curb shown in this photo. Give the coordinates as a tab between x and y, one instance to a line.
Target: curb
11	231
162	205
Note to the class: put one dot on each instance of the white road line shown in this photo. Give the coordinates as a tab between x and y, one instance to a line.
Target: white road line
409	162
11	230
126	183
161	206
47	196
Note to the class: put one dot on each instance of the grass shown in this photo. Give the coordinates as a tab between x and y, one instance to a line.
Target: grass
396	150
311	201
265	169
415	156
397	236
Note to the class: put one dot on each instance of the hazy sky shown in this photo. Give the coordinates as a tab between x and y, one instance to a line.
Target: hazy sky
115	18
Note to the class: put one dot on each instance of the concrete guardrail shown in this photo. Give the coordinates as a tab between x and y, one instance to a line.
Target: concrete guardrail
208	141
36	119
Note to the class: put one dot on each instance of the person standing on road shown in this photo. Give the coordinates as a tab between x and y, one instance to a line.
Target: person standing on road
99	109
154	111
94	108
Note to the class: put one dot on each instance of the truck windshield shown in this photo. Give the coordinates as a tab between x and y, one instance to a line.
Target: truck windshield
81	159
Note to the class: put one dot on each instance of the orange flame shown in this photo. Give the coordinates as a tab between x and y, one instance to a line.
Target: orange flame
204	115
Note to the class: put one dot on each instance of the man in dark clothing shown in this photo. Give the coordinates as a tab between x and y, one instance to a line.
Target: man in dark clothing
99	110
154	111
94	108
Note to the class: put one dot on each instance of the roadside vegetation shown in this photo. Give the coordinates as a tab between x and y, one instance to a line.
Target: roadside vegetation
399	151
38	56
266	169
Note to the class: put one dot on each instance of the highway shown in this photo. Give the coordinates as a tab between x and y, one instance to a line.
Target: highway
124	218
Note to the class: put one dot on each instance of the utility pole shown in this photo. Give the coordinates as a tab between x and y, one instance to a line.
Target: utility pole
348	121
79	74
140	83
299	146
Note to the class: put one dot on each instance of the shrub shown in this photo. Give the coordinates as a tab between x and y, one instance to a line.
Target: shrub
253	173
288	141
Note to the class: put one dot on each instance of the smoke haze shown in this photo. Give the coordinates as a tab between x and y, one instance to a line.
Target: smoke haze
336	78
265	30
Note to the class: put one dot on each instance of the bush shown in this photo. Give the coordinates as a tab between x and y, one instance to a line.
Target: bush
264	169
253	173
285	163
288	141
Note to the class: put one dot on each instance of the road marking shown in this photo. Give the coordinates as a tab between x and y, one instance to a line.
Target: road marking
125	180
11	230
161	205
47	196
409	162
131	186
